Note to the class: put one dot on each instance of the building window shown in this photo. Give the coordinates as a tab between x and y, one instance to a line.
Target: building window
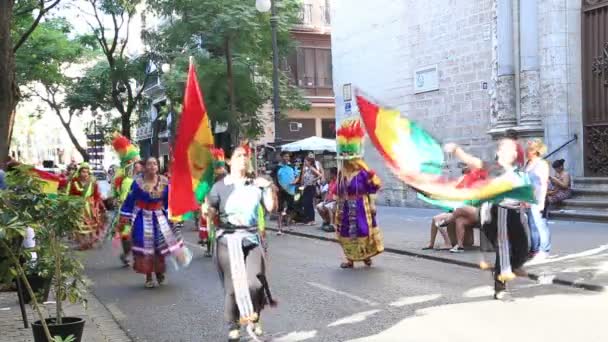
328	128
306	14
313	68
326	13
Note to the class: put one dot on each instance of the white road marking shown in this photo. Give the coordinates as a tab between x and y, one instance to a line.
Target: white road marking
481	291
345	294
297	336
582	254
356	318
415	300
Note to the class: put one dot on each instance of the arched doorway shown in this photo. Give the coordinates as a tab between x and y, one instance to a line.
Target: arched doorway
595	86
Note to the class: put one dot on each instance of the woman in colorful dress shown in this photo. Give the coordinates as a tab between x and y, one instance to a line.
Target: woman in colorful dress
130	166
356	227
239	201
83	184
153	236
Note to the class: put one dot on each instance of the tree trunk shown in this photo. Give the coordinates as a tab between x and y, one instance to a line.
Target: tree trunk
83	152
125	120
231	96
9	92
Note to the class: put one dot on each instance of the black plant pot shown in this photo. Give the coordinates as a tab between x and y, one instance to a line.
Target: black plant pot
40	286
70	326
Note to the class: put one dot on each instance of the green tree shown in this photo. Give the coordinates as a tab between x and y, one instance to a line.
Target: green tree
232	45
125	73
45	57
18	20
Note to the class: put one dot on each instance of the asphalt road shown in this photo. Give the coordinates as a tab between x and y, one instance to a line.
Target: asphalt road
318	301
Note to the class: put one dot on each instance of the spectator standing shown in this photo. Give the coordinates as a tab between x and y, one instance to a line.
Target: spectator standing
538	172
308	181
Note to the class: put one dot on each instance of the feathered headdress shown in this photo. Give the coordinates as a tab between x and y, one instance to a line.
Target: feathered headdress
219	159
349	139
245	146
127	152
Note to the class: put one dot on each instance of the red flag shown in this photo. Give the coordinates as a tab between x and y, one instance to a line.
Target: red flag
191	169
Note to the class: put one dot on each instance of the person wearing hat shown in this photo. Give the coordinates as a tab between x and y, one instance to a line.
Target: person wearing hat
356	227
130	166
84	185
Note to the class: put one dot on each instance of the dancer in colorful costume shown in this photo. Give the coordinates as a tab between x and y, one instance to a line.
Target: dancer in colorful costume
84	185
122	182
206	230
395	136
238	199
356	227
153	236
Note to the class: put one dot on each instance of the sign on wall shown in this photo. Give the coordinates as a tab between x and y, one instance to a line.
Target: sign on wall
426	79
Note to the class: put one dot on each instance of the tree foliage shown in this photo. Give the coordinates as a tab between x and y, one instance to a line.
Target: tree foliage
43	63
232	45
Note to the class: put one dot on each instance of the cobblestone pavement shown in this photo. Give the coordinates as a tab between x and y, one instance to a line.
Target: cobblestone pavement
100	326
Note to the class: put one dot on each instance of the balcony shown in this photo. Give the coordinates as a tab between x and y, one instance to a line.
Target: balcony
311	71
326	14
306	14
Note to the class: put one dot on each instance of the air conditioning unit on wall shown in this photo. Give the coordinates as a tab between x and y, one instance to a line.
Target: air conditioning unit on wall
295	126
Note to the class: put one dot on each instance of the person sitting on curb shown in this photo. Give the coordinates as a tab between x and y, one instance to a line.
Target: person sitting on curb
327	208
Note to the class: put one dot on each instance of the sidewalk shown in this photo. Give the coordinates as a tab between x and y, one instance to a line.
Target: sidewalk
579	255
100	326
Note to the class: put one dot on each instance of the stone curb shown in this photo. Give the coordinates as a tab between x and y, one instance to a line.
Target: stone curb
106	322
531	276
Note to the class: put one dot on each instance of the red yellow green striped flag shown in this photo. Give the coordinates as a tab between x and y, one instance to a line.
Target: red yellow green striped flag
417	159
49	181
191	169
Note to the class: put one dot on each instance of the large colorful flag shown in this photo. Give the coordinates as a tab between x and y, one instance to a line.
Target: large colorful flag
417	159
191	169
49	182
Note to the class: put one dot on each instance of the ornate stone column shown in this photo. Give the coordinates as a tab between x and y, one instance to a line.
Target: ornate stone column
530	119
503	97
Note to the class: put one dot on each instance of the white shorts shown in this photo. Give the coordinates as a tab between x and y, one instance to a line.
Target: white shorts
327	205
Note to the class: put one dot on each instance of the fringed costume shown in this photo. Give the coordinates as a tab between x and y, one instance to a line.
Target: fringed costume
122	184
94	211
356	225
153	236
239	251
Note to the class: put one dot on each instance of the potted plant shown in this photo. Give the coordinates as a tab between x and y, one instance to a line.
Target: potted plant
55	220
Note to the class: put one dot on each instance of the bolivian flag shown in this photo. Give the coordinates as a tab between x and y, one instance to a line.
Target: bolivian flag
417	159
49	181
191	170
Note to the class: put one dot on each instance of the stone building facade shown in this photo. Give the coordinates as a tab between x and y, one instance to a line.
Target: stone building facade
467	71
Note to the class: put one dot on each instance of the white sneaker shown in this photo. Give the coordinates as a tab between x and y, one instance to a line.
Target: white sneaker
234	335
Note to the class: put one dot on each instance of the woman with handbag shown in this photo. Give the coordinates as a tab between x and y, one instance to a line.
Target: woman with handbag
308	183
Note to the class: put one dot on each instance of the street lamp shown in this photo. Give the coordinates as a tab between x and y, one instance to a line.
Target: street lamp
166	67
263	6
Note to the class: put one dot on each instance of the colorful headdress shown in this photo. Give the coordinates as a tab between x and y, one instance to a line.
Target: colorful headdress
245	146
127	152
219	159
349	139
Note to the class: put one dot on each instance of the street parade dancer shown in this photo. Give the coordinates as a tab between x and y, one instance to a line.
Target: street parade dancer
238	200
153	236
83	184
418	160
206	230
356	226
121	184
502	218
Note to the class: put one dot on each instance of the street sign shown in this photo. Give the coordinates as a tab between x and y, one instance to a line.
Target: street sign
347	107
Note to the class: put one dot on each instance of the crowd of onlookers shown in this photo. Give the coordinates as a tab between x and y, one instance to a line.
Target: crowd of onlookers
304	188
